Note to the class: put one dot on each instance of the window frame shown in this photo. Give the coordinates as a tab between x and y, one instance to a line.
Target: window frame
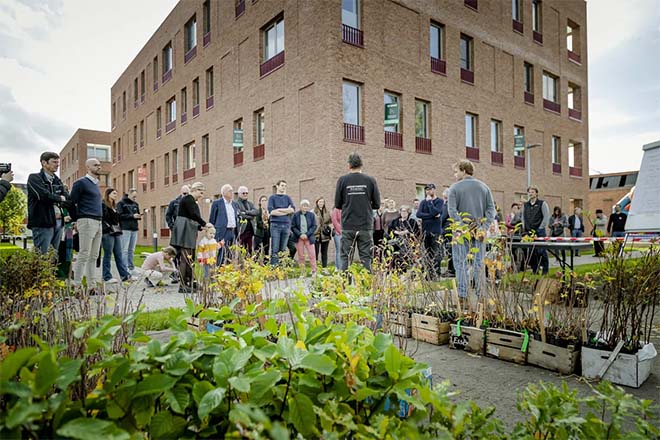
358	104
556	149
190	34
537	16
189	156
344	17
395	99
528	69
549	78
168	57
278	26
171	110
260	127
425	118
440	40
209	82
497	125
519	130
469	52
474	121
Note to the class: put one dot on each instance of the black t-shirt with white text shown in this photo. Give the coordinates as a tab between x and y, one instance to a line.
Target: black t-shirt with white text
357	196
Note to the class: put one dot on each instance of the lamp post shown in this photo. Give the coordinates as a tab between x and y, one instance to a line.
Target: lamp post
528	161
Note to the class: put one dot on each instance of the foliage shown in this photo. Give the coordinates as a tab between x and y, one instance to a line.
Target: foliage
13	210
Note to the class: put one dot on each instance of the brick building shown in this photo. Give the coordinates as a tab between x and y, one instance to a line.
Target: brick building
605	190
85	144
259	90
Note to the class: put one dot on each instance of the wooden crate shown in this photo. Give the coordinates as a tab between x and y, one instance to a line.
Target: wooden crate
505	345
552	357
429	329
471	339
400	324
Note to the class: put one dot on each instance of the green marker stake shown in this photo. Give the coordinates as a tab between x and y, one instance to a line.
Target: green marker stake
458	327
525	342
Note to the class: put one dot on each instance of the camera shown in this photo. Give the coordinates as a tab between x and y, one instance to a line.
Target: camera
5	168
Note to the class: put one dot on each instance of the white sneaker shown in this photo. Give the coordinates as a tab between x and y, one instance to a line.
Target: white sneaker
111	281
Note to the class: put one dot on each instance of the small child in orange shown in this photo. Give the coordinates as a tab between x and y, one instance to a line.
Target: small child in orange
207	250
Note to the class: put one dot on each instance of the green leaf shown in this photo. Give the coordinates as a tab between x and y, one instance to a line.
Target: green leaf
271	326
154	384
319	363
381	342
24	412
178	398
143	408
14	362
210	401
200	389
241	358
47	373
392	361
85	429
177	365
301	414
264	382
165	425
16	388
69	373
114	410
240	383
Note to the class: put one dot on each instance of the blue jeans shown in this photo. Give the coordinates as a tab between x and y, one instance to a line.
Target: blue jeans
279	234
618	234
577	233
128	242
43	238
112	246
337	240
462	266
224	252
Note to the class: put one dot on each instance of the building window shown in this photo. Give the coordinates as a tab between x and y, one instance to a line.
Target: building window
159	121
536	16
437	41
351	103
155	66
209	82
189	156
135	91
167	58
175	162
131	179
516	12
100	152
471	130
392	112
260	127
422	119
550	86
171	110
135	138
205	149
517	133
238	142
184	101
574	102
142	133
556	150
142	85
350	13
166	167
495	135
114	114
573	41
163	219
123	104
273	39
529	78
467	61
191	34
195	96
152	174
207	16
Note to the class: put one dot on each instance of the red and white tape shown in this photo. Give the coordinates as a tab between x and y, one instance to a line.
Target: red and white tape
592	239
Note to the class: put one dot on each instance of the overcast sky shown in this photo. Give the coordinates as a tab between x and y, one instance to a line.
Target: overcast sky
58	59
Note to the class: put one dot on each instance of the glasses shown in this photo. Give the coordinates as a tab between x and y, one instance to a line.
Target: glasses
243	192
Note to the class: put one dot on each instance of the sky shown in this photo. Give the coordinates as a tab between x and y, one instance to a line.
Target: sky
59	58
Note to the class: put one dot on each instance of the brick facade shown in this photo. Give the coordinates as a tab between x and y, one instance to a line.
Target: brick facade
74	155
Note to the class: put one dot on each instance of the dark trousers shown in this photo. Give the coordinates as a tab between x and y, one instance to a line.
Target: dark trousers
291	246
186	260
433	254
364	242
224	253
323	247
446	242
262	244
599	247
245	240
539	257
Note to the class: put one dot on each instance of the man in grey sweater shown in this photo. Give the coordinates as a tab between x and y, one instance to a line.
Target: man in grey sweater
470	201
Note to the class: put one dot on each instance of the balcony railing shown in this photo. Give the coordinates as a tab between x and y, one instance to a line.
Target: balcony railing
272	64
209	102
155	86
574	57
164	232
575	172
497	157
471	153
556	168
467	76
423	145
167	76
189	173
474	4
551	106
538	37
207	39
519	161
205	169
238	158
170	126
167	180
394	140
352	36
175	178
158	133
517	26
575	114
529	98
190	55
259	152
438	66
353	133
240	8
184	118
195	110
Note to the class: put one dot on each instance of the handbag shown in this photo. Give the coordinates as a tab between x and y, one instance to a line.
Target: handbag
326	231
115	230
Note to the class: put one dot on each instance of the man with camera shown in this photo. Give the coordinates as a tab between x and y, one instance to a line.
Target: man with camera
6	176
46	197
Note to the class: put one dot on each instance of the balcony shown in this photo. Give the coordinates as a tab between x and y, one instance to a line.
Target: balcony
272	64
167	76
537	37
184	118
471	153
189	173
393	140
575	172
572	56
467	76
556	168
259	152
155	86
352	36
422	145
519	162
206	39
195	110
551	106
438	66
158	133
473	4
576	115
175	178
209	103
142	99
167	180
497	157
353	133
192	53
517	26
529	98
164	232
205	169
170	126
240	8
238	158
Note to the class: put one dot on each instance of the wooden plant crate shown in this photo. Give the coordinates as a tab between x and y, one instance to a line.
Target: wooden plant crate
553	357
471	339
506	345
400	324
430	329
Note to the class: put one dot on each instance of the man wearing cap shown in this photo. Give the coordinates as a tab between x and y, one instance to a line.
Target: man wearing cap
430	211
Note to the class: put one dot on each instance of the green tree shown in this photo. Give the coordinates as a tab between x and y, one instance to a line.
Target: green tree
13	209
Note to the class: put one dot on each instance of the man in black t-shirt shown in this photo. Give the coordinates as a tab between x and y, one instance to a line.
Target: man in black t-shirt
357	196
616	226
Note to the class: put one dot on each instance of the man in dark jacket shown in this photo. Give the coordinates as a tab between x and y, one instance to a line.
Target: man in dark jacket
247	214
46	195
129	215
173	207
576	226
430	212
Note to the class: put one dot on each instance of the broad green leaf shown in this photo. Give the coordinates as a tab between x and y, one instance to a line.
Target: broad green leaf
271	326
210	401
200	389
16	388
47	373
143	408
177	365
24	412
10	366
392	361
178	398
264	382
241	358
381	342
240	383
319	363
69	373
85	429
365	392
301	414
114	410
165	425
222	367
154	384
80	331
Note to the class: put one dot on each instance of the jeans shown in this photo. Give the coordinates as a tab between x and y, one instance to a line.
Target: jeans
112	246
128	242
224	253
365	243
279	234
89	235
337	240
43	238
618	234
577	233
460	253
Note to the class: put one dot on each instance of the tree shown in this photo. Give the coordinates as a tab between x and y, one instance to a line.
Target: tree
13	210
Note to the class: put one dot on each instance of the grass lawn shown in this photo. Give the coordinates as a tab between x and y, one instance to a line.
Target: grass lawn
152	321
7	248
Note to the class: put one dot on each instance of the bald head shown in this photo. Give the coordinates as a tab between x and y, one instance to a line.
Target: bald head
93	167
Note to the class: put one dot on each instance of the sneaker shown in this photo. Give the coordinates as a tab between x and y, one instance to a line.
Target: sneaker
128	279
148	282
111	281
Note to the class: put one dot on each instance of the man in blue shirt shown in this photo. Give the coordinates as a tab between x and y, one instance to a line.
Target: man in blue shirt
430	212
280	207
224	217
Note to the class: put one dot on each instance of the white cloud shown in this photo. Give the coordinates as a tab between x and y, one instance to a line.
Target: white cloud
620	151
